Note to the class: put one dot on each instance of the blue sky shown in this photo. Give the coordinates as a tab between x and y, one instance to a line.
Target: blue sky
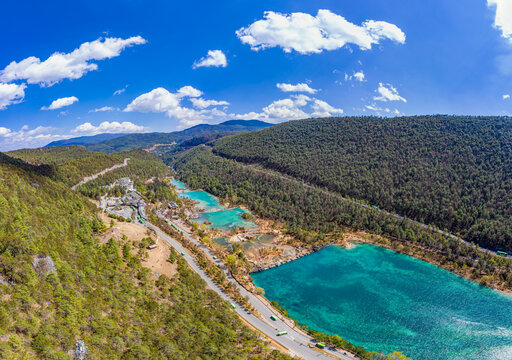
365	57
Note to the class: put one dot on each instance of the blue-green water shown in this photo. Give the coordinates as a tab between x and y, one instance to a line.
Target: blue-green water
205	200
225	219
178	185
219	216
221	241
383	300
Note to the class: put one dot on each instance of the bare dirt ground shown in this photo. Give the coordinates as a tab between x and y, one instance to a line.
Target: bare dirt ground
157	258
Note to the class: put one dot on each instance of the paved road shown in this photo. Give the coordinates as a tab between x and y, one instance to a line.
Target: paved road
296	341
104	171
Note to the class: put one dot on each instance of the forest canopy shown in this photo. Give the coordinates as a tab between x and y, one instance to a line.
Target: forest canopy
452	172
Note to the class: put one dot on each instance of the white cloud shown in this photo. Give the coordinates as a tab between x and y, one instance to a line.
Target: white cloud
157	100
189	91
323	109
60	103
104	108
203	104
4	131
308	34
214	58
357	76
506	96
160	100
109	127
120	91
388	93
71	65
40	136
300	87
11	94
381	111
295	107
373	107
503	17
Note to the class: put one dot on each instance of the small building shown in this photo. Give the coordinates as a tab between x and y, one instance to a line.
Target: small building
132	198
173	205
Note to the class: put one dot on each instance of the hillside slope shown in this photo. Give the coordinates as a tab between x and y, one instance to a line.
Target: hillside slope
453	172
60	284
147	140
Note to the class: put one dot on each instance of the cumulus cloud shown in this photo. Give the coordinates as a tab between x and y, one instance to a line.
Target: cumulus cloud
323	109
73	65
161	100
382	111
388	93
40	136
60	103
104	108
295	107
11	94
503	17
300	87
4	131
357	76
215	58
157	100
189	91
201	103
109	127
506	96
308	34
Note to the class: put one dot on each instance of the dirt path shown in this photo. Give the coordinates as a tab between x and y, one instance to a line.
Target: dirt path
156	260
102	172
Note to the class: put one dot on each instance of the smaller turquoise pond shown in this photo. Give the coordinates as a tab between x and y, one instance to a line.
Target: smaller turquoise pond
205	200
178	185
226	220
386	301
219	216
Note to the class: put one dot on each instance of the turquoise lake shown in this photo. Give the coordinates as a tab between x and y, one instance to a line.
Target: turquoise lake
178	185
386	301
219	216
205	200
225	219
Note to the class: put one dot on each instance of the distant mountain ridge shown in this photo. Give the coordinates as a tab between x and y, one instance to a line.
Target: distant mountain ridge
82	140
147	140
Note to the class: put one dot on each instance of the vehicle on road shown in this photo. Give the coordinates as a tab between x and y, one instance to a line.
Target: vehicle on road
233	305
281	333
320	345
272	317
182	253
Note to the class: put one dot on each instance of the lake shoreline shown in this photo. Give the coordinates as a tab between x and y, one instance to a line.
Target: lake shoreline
353	237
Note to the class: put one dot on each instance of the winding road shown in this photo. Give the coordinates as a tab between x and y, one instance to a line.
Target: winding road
102	172
297	342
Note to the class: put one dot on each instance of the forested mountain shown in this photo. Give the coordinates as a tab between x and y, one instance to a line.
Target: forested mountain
52	155
82	140
453	172
147	140
60	284
71	163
